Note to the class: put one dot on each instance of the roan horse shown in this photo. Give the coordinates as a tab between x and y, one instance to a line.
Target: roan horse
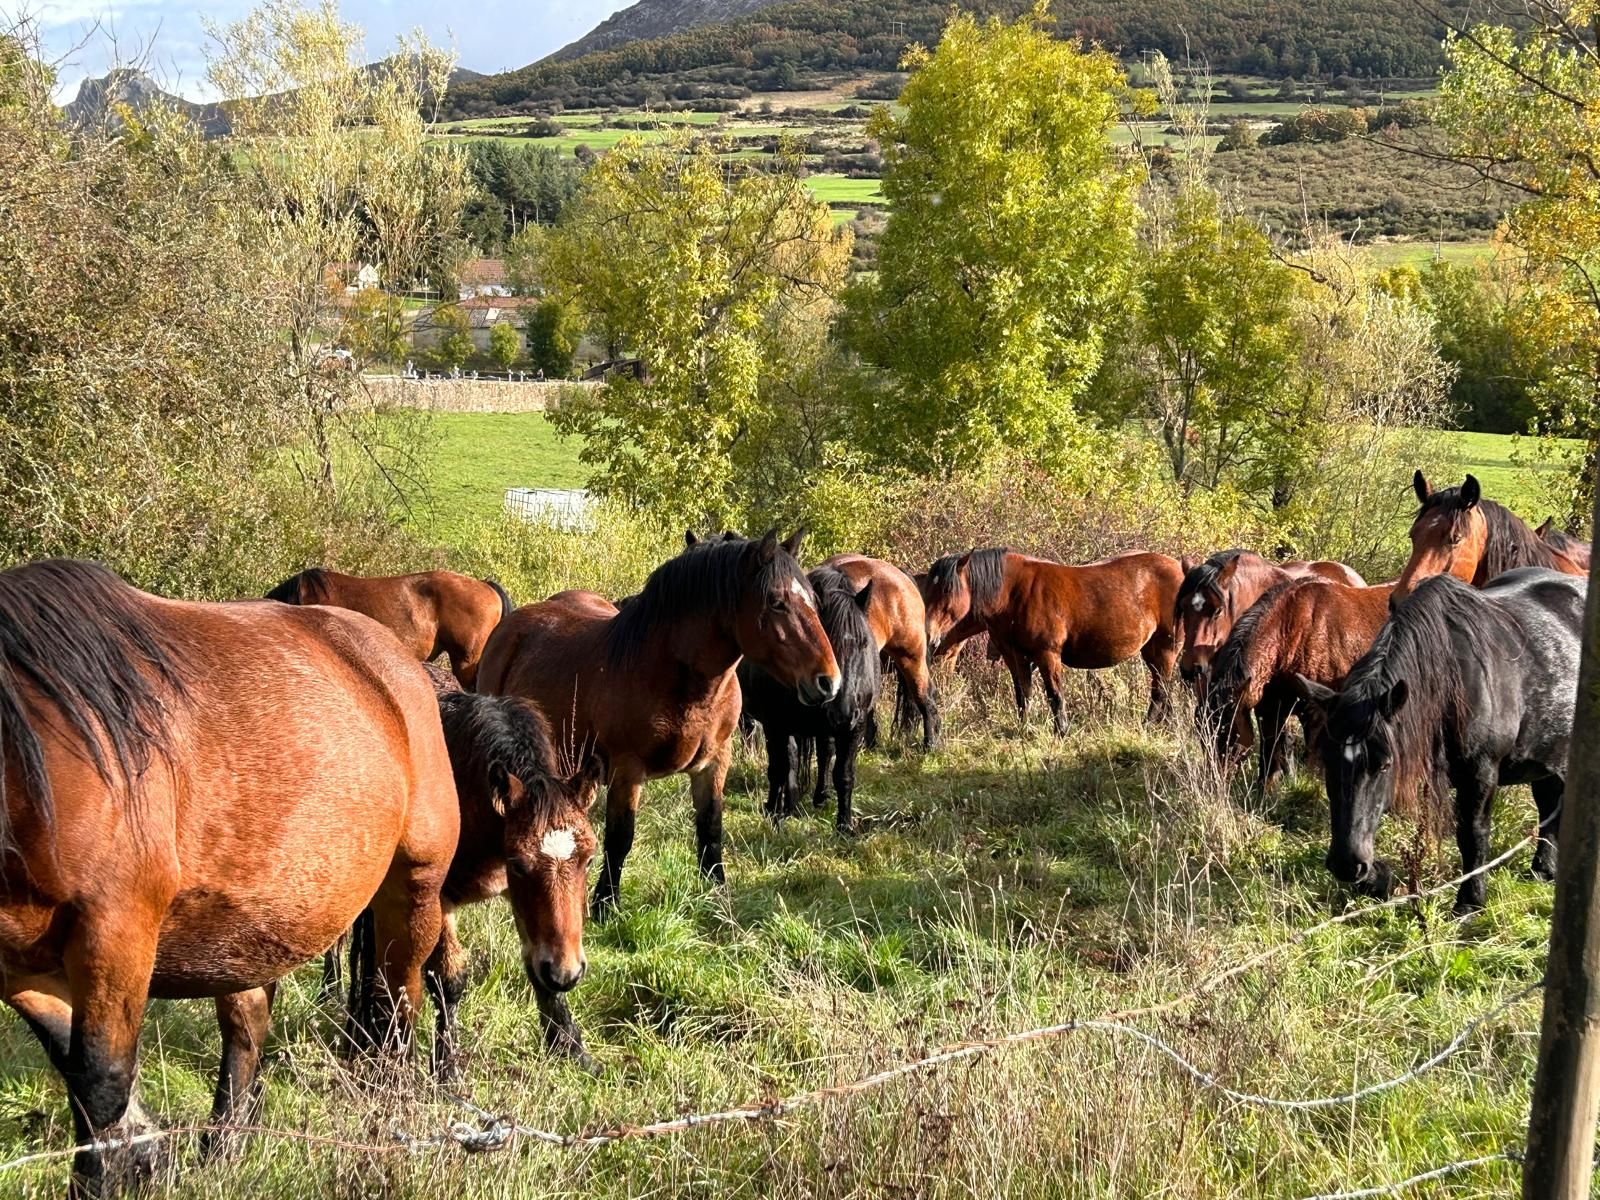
1218	591
1463	689
432	613
1041	614
525	834
1564	544
652	688
899	621
1309	627
837	727
1458	532
197	798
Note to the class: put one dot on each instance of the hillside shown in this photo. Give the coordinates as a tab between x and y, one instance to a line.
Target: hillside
650	19
98	99
776	48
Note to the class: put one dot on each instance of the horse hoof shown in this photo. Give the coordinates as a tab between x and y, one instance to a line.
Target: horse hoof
1466	910
1545	871
847	830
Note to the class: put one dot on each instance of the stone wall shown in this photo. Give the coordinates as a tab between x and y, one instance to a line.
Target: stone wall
468	395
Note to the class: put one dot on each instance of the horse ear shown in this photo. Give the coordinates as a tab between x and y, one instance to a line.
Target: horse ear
505	790
864	597
1226	571
1471	492
767	548
1543	532
1419	484
1317	696
792	542
1395	699
689	538
1188	562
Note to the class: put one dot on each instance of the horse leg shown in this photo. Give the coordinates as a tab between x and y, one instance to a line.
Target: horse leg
1272	715
1160	656
1474	797
332	968
622	810
1051	672
799	751
445	975
844	780
1547	794
824	754
779	773
244	1019
916	697
1021	679
406	920
561	1034
706	787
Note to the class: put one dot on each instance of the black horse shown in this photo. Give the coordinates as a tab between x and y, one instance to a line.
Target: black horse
1465	689
838	727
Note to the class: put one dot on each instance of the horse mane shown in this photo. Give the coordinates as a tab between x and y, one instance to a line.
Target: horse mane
1559	539
492	737
505	598
706	577
1230	673
296	588
1416	645
1203	578
848	632
1509	542
78	635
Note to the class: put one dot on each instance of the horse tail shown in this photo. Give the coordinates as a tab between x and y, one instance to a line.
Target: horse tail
805	752
78	637
505	599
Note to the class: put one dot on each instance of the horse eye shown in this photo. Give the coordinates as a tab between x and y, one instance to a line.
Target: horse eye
779	606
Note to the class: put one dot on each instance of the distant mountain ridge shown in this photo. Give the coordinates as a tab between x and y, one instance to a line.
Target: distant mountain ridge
650	19
98	99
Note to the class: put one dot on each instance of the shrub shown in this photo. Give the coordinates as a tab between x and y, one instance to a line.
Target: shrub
1317	125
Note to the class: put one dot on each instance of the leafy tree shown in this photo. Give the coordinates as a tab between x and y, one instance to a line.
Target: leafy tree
505	347
552	338
1008	242
1238	136
338	161
1519	105
455	344
375	329
721	284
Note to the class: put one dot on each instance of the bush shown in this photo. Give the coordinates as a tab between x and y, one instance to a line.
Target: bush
1239	136
1318	125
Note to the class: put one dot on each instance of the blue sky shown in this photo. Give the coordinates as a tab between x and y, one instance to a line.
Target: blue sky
167	36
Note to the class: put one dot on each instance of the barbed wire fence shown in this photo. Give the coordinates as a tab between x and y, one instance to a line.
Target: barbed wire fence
489	1131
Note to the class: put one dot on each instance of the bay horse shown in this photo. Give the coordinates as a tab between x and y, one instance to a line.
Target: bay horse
525	834
1217	592
195	799
1459	532
1464	689
431	612
837	728
652	688
1309	627
899	620
1564	544
1041	614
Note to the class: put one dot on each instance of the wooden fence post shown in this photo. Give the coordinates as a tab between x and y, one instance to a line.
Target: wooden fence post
1566	1091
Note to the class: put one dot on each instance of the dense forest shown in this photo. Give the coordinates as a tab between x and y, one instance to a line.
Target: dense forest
775	49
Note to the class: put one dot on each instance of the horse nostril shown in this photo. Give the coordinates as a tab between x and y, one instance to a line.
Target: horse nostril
828	685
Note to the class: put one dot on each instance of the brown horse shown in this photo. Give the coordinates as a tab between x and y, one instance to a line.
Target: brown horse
1564	543
1311	627
1458	532
899	621
652	689
1217	592
525	834
195	799
1041	614
432	613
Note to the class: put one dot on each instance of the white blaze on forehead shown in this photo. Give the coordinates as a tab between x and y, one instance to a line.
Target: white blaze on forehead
559	844
1351	750
1198	603
799	589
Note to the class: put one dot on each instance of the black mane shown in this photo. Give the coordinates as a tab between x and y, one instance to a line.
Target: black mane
711	576
492	737
986	571
1228	673
851	638
1203	578
300	588
1509	544
1559	539
78	635
1416	646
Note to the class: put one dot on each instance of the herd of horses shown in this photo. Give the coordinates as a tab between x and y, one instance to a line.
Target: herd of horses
199	797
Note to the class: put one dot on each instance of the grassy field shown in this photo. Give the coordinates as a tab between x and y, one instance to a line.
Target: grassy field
842	190
1424	254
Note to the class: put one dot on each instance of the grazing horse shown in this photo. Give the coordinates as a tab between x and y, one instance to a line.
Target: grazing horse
1463	689
1307	627
195	799
1217	592
432	613
1458	532
1564	544
1041	614
839	725
652	688
525	834
899	621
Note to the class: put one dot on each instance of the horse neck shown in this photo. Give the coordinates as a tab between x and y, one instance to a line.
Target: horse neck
701	644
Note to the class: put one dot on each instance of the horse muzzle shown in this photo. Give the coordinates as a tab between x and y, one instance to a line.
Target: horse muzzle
550	976
819	691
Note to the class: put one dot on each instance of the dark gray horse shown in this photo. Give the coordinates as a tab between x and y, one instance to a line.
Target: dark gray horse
1464	689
